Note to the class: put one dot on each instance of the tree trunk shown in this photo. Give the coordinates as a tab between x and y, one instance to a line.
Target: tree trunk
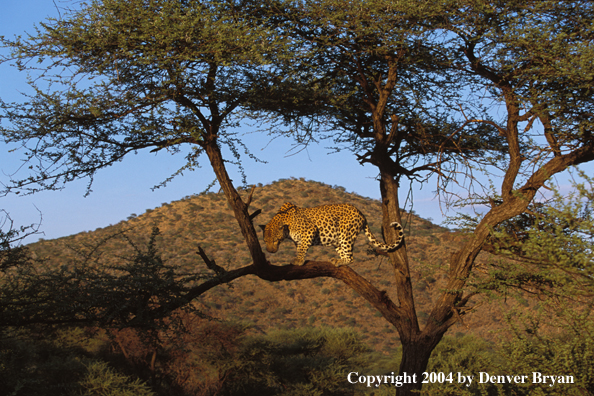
416	345
240	209
415	358
409	327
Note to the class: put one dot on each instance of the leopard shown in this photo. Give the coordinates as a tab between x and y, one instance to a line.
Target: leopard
336	225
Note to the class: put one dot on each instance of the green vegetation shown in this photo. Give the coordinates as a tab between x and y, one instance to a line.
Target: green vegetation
554	259
214	358
130	292
63	363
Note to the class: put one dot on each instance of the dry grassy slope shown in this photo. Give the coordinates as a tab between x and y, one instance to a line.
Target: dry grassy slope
207	220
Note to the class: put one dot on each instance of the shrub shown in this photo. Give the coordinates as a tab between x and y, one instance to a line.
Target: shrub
102	380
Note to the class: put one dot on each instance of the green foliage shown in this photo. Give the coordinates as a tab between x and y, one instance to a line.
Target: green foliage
131	75
37	368
553	245
59	364
568	353
405	85
140	292
308	361
102	380
468	355
12	254
393	84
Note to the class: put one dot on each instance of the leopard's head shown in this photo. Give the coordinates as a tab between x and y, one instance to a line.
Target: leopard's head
277	229
274	233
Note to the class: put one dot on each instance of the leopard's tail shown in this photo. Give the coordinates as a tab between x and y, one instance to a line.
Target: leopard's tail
381	245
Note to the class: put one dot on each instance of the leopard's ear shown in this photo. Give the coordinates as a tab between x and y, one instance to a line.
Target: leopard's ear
286	206
263	227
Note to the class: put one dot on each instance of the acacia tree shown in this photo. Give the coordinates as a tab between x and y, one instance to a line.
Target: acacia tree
387	77
122	76
376	77
117	76
132	75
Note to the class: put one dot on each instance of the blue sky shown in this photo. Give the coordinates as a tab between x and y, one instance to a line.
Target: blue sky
125	188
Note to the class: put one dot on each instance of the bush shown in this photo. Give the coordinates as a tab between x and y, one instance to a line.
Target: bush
102	380
568	354
467	355
37	368
305	361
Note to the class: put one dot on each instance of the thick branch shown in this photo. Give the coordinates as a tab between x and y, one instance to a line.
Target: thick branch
310	270
240	209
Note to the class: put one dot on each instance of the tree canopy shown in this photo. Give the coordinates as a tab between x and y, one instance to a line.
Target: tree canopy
115	77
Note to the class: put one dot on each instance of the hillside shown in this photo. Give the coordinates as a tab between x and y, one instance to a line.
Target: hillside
206	220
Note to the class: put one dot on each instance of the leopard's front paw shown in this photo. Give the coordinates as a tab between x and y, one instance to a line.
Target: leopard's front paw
339	262
298	261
